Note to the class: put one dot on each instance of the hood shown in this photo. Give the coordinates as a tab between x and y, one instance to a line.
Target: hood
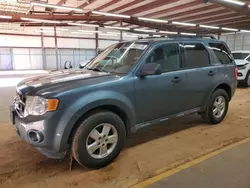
59	81
241	61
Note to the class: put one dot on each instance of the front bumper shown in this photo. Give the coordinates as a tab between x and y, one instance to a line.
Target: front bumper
46	128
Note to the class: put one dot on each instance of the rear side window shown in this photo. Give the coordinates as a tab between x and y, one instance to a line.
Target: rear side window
222	53
195	55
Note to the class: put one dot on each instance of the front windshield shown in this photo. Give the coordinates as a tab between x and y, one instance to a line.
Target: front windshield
118	58
240	55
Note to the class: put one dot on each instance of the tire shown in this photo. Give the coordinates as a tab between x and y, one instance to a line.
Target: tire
86	132
247	80
209	115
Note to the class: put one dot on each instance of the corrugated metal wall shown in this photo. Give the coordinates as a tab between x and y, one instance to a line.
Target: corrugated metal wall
34	59
239	41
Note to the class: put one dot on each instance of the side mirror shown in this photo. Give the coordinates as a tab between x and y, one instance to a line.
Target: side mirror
67	65
151	69
83	64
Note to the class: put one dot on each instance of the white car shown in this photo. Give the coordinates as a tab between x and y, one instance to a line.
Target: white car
242	59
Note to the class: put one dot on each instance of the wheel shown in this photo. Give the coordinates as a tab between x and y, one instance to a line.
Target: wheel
98	140
247	80
217	107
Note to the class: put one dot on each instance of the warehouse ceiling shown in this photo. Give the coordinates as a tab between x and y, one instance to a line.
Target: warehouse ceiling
205	16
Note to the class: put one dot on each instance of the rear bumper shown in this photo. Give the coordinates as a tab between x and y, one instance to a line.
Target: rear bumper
40	132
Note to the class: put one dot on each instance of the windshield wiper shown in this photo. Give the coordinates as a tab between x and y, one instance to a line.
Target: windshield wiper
95	69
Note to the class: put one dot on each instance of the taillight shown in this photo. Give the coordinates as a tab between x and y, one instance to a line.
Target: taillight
236	72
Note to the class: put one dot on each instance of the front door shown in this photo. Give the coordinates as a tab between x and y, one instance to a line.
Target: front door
158	96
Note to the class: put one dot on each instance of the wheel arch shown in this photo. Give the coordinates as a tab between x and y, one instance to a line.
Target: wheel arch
225	87
114	102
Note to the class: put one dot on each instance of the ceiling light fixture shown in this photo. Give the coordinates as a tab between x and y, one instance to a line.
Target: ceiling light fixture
89	31
81	33
132	36
115	33
39	20
56	6
5	17
110	14
169	32
229	29
245	31
85	25
156	35
50	28
191	34
209	27
185	24
235	2
46	31
120	28
146	30
152	20
106	34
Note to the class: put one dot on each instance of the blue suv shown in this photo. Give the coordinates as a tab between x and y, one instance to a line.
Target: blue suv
90	111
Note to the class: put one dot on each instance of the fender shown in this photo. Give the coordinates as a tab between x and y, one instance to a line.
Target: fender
86	103
217	85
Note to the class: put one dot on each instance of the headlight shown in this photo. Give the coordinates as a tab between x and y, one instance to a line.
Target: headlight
242	67
38	105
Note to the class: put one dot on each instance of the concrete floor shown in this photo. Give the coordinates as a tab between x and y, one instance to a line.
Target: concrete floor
229	169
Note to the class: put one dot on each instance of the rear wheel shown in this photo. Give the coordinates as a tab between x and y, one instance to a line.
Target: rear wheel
98	140
217	107
247	80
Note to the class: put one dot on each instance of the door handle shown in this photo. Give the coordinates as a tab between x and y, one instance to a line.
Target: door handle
176	79
211	73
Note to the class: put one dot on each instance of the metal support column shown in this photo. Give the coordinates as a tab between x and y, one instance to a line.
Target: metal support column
43	51
97	41
243	40
56	48
234	40
121	33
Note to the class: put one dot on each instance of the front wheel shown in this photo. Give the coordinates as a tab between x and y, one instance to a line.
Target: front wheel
99	139
217	107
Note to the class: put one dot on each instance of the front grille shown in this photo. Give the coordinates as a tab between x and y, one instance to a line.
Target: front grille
19	104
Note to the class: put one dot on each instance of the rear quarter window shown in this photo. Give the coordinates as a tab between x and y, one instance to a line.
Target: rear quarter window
222	53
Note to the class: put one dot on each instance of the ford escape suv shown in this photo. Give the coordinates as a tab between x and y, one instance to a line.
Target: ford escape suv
242	59
89	112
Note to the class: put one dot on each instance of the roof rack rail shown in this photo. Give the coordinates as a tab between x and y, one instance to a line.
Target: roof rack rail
179	36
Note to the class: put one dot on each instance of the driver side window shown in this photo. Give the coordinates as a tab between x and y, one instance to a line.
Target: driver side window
167	56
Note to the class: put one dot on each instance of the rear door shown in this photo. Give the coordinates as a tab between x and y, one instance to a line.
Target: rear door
200	74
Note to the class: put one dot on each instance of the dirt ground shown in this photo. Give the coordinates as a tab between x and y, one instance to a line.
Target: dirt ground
147	153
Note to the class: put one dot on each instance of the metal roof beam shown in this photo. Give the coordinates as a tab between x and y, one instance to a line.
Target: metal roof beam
148	6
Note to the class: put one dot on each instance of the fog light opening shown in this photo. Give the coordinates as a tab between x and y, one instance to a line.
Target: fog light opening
35	136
